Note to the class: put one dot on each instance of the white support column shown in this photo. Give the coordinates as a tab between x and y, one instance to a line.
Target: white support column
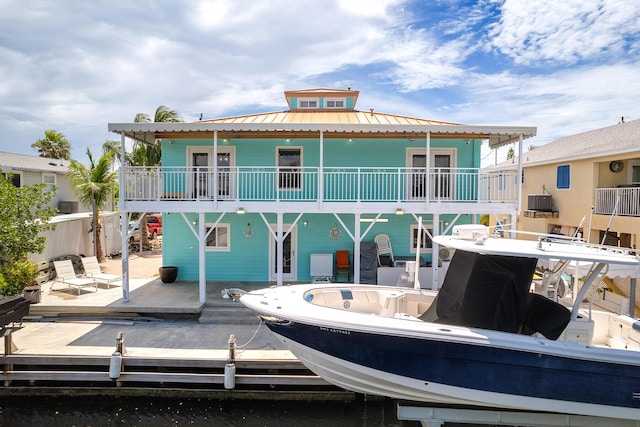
124	225
428	171
356	250
435	253
519	178
215	170
321	171
279	248
202	243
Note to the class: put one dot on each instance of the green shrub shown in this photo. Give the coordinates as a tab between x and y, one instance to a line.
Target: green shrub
16	276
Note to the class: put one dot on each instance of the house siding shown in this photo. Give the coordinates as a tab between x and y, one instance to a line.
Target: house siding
248	258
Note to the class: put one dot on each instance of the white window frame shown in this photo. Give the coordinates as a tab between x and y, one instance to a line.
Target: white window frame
631	165
307	101
217	248
335	100
49	175
414	227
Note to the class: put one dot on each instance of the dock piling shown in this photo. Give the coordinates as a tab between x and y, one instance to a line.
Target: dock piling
230	367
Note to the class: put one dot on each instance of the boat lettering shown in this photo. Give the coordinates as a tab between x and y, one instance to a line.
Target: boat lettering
335	331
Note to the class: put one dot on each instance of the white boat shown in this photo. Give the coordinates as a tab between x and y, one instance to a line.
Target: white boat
483	339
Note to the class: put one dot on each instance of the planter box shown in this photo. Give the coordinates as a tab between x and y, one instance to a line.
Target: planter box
33	293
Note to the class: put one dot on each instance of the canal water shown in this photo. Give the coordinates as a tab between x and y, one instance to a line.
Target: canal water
109	411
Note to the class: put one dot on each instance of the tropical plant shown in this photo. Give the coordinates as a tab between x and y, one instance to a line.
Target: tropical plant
24	215
54	145
150	154
93	186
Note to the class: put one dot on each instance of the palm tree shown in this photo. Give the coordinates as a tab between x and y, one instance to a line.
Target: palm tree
112	148
94	186
54	145
150	154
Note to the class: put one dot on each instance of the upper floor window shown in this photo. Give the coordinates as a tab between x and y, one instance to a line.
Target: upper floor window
16	178
308	103
218	238
563	177
334	103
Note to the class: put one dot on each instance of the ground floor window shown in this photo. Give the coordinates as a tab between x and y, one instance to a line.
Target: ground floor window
426	244
218	237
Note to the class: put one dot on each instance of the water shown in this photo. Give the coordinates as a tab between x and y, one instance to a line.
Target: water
136	411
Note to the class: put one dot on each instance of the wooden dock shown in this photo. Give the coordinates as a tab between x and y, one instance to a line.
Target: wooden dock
90	375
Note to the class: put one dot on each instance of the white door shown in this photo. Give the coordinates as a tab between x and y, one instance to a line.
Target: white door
200	167
289	251
441	178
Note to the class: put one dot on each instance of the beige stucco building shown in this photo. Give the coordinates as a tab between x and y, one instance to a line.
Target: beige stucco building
587	183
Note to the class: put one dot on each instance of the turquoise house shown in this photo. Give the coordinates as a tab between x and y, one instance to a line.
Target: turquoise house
271	197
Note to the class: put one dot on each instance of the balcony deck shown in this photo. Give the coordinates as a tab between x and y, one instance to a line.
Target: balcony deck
623	201
344	189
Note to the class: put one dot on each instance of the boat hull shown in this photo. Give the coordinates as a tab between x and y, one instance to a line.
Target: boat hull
436	369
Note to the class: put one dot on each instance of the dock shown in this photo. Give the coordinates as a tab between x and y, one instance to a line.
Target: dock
161	342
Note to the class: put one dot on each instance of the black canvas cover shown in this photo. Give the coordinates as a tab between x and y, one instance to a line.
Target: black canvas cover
544	316
13	309
484	291
368	263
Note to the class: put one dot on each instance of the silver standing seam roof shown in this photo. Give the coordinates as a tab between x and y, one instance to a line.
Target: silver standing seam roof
149	132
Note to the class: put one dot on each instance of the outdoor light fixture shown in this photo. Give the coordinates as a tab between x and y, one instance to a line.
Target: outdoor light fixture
305	224
374	220
399	211
240	211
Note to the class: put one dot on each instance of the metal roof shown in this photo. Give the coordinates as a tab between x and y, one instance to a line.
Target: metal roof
308	123
22	162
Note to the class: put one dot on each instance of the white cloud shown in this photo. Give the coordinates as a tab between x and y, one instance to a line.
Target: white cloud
565	32
75	67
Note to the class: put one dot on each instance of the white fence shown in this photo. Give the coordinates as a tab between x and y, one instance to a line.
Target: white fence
624	201
310	184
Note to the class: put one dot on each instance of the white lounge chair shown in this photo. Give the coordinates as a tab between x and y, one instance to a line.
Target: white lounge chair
92	269
65	273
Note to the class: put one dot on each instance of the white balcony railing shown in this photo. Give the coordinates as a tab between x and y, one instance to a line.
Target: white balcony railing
464	185
624	201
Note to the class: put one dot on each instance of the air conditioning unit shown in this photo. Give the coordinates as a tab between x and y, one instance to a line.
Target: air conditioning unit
68	207
540	202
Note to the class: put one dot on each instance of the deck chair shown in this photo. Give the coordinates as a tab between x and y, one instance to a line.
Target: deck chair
66	274
343	266
92	269
383	245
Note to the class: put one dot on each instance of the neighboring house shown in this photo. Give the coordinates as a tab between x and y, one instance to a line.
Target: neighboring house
587	183
28	170
251	198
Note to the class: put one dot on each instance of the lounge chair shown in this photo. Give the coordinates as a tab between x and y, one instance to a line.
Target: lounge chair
92	269
66	274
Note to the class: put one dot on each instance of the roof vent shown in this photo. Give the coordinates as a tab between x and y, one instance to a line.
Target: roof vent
371	110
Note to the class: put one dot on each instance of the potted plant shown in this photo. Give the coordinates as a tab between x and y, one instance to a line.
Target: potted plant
20	277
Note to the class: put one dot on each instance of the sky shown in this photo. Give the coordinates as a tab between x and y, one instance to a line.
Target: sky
564	67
